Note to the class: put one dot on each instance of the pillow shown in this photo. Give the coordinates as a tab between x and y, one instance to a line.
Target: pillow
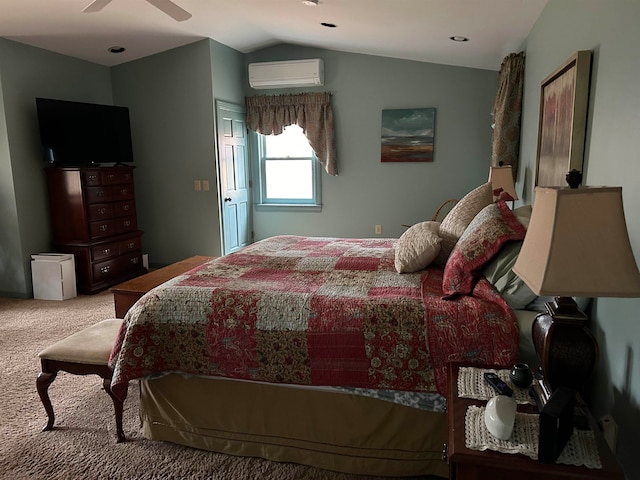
460	216
417	247
498	271
486	234
509	285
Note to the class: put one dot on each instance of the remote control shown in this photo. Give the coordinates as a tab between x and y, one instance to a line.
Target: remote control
498	385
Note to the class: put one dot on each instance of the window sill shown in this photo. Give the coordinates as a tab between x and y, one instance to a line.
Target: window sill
287	207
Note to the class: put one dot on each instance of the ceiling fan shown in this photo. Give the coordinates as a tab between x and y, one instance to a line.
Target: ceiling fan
167	6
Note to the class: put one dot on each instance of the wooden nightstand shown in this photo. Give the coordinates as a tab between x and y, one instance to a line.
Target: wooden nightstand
466	464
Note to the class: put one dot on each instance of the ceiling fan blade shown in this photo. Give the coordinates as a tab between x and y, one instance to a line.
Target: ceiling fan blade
174	11
96	6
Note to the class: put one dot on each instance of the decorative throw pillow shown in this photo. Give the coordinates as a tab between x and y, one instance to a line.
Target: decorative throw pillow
460	216
483	238
417	247
498	271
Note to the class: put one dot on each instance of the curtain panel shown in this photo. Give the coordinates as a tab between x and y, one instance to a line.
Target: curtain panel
507	112
269	114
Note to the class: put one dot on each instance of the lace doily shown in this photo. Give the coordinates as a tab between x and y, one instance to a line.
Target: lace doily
581	449
471	384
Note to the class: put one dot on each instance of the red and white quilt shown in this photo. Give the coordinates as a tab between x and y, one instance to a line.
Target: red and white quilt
310	311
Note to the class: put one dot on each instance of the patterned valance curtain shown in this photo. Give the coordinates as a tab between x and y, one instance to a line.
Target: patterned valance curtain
269	114
507	112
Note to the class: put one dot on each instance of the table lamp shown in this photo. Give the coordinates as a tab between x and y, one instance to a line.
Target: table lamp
501	179
576	245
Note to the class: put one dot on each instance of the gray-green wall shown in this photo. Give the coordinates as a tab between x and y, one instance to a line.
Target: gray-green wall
26	73
367	192
171	103
610	30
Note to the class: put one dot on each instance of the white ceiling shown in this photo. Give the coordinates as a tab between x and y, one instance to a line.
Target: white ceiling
407	29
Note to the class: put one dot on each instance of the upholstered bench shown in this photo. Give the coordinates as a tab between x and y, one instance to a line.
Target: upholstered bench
83	353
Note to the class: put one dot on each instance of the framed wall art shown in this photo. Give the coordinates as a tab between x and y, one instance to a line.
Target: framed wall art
407	135
564	99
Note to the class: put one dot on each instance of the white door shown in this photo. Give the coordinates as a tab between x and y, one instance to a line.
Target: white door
234	177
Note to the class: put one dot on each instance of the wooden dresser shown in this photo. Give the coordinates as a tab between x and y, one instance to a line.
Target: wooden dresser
93	216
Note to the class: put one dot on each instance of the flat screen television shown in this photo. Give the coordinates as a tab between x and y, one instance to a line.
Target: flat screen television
82	134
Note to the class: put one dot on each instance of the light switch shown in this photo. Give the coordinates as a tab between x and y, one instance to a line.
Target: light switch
197	185
205	185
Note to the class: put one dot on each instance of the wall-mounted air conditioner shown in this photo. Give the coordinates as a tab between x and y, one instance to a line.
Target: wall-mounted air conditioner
294	73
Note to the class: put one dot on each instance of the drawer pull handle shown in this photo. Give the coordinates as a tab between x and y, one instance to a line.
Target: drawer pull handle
92	177
103	228
102	211
100	193
125	208
106	251
105	269
131	245
111	176
134	261
127	223
124	191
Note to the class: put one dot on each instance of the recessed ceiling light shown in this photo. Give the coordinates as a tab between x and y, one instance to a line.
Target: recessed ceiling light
459	38
328	25
116	49
310	3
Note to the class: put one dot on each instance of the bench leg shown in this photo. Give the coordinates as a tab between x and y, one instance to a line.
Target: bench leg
42	384
118	406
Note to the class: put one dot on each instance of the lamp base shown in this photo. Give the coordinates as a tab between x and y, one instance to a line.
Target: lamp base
566	348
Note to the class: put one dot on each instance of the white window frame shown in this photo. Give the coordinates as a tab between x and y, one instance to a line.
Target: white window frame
263	202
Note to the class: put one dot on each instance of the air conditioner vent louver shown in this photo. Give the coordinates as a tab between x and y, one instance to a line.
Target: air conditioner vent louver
288	74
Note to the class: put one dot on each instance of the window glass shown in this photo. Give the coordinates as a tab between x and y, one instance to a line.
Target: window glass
289	171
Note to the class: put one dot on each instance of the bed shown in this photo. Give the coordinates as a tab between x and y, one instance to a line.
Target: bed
318	351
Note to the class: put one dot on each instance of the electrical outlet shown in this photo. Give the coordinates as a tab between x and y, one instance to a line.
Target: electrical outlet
197	185
378	229
205	185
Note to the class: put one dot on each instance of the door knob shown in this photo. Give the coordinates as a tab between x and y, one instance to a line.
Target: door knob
227	199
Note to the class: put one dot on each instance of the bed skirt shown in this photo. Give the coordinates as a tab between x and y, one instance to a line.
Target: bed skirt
330	430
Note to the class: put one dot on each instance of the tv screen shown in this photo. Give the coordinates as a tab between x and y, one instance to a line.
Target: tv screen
80	134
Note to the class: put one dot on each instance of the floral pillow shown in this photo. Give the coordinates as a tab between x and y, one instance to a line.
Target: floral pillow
417	247
484	237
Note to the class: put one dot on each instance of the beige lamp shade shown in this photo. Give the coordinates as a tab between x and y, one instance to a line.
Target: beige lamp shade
502	177
577	245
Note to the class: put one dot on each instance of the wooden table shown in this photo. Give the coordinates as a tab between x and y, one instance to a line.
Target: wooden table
467	464
128	293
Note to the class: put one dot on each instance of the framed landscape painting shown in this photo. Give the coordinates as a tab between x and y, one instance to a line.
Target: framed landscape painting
564	99
407	135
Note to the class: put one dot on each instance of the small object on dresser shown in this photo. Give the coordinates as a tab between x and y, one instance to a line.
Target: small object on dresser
498	385
521	375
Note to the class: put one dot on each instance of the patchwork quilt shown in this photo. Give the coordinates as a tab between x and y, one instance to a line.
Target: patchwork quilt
310	311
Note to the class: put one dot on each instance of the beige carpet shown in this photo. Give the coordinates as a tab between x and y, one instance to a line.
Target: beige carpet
82	445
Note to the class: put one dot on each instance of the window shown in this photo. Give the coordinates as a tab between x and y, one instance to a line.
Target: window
289	171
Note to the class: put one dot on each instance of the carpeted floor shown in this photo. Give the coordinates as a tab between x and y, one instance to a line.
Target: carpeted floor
82	445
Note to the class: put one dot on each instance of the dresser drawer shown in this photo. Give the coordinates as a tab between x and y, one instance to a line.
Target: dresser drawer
117	267
127	207
104	228
126	224
105	271
115	177
130	244
99	194
100	211
123	192
105	251
91	178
